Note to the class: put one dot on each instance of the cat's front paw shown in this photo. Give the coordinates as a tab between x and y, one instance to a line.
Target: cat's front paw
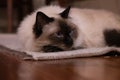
50	48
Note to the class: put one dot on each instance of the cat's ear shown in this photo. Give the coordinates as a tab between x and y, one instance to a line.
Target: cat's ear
42	19
65	13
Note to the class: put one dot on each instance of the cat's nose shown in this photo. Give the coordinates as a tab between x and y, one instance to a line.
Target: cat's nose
68	41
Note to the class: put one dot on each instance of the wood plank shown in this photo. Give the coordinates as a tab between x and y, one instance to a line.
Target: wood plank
13	67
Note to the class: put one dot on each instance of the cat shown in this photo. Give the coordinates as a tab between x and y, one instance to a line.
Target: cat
53	29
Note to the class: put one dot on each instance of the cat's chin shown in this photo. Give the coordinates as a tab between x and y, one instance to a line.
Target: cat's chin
51	48
76	48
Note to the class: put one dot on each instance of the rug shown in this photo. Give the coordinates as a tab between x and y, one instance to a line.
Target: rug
11	41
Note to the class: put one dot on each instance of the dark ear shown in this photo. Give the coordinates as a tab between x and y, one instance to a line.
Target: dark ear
41	20
65	13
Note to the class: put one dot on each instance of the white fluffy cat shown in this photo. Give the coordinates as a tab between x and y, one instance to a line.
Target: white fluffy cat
52	28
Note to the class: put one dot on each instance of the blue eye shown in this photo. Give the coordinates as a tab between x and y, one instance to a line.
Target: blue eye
71	33
59	35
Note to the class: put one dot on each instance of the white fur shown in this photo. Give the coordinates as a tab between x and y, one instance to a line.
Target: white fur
25	30
90	23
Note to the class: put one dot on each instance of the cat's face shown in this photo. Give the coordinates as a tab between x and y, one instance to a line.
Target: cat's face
54	34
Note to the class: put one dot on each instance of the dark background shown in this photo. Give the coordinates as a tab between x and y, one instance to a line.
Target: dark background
10	17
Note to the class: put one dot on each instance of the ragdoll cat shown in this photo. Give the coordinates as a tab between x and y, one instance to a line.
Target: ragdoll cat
53	29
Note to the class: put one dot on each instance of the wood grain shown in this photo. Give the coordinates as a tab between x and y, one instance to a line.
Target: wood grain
13	67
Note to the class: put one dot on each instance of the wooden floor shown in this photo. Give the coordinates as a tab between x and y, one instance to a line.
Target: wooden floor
93	68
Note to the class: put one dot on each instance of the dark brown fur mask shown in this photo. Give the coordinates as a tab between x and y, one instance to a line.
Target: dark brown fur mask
54	34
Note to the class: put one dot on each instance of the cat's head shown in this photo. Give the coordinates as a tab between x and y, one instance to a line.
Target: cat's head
54	34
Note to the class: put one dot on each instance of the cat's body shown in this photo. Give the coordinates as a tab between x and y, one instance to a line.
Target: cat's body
86	28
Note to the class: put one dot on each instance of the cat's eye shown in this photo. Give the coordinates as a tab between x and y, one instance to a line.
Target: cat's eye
73	33
58	35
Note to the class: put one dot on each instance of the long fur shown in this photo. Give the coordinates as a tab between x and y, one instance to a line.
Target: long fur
90	23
